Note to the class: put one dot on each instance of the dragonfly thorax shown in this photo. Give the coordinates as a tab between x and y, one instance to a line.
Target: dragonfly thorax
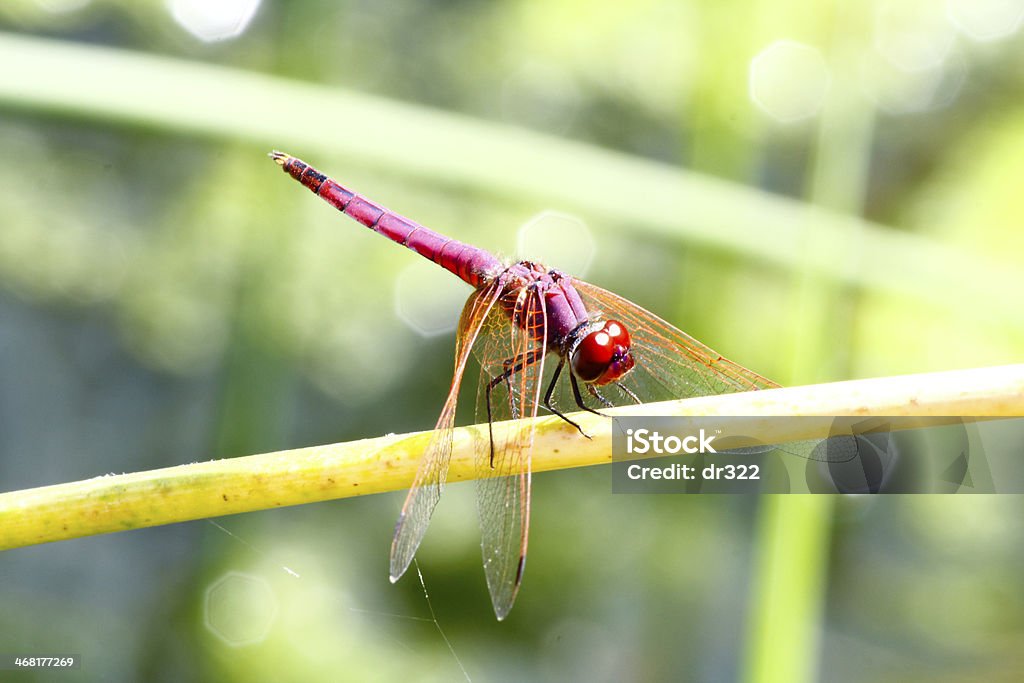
602	354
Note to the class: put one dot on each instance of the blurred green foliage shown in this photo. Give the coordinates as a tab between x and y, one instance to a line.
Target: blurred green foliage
166	295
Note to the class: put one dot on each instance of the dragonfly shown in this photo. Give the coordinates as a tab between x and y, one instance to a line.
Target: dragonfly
533	330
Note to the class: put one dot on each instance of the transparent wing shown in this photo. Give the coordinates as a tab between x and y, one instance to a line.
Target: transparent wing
512	366
669	362
430	477
672	364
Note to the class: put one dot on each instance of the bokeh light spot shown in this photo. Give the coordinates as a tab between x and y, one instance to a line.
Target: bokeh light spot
240	609
213	21
986	20
558	240
788	81
913	36
428	298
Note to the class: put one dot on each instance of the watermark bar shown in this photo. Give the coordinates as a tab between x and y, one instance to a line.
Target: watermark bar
838	455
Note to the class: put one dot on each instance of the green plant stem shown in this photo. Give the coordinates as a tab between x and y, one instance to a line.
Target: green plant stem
128	88
788	600
305	475
790	571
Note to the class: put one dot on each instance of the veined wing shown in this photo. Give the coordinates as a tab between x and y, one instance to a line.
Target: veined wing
669	362
512	365
433	469
672	364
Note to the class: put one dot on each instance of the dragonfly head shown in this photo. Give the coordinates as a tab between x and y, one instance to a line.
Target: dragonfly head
603	355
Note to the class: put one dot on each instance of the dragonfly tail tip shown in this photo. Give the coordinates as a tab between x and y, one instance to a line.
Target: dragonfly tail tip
280	158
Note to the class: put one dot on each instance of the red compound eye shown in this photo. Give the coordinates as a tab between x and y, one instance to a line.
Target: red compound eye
603	355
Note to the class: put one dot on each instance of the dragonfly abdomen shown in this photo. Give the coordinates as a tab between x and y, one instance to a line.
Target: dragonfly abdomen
472	264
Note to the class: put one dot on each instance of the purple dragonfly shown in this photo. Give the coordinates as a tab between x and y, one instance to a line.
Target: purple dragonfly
520	316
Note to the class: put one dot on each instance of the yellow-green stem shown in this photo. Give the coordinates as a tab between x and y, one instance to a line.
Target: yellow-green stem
305	475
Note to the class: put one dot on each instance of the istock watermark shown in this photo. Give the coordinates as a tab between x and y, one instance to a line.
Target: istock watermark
864	455
644	441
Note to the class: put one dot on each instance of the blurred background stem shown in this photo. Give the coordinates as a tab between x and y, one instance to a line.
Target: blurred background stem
793	549
791	570
135	89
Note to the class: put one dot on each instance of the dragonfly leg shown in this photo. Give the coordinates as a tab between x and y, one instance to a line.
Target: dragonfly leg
624	389
551	390
511	366
578	397
596	394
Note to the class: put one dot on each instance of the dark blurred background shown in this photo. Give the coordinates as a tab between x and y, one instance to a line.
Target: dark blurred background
821	191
